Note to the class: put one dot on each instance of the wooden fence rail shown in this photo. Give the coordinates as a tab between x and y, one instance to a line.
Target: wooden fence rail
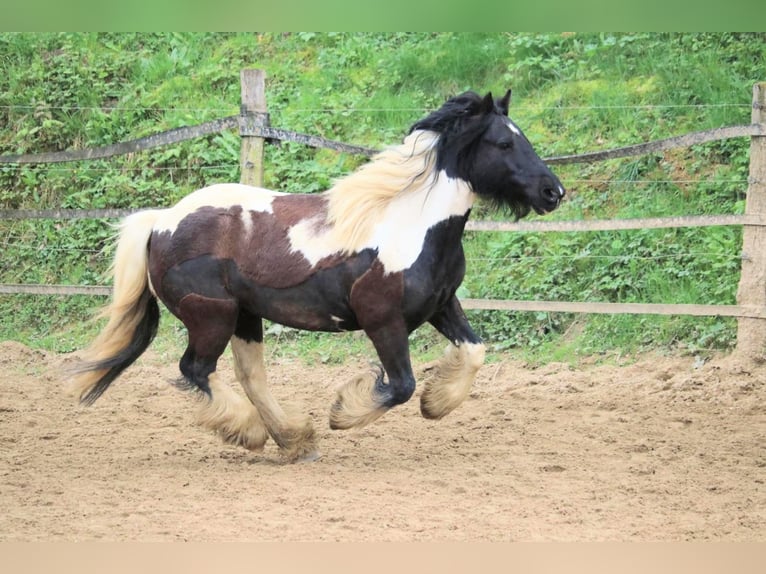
255	131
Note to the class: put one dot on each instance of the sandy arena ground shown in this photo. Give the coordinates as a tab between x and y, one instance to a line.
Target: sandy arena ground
656	450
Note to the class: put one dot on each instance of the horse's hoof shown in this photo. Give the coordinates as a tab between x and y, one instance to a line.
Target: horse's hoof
307	454
298	442
312	456
356	403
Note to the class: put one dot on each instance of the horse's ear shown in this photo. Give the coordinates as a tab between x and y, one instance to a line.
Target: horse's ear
487	104
505	103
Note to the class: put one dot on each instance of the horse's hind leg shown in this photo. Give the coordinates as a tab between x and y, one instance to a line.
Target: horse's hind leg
293	434
232	417
453	375
211	323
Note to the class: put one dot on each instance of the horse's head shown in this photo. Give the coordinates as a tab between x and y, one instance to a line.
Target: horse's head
479	144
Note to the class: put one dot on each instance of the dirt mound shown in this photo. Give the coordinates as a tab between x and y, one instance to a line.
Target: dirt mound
662	449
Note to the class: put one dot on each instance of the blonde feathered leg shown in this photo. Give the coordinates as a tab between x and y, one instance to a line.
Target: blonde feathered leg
294	434
451	380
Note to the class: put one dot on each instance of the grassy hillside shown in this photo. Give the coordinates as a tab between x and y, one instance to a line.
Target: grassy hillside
572	93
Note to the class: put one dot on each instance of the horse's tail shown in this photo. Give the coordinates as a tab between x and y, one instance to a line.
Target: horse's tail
133	312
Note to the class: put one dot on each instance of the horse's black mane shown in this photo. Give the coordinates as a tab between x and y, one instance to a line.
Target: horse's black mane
460	123
452	116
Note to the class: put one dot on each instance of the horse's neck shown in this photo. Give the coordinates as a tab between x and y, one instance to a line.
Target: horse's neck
439	199
400	234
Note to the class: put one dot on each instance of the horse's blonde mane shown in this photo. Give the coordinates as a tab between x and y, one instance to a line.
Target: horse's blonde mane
358	201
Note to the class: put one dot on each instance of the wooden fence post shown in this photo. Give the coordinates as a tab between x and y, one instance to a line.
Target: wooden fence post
253	113
751	333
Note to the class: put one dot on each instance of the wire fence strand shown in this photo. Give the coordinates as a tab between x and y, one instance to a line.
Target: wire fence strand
38	107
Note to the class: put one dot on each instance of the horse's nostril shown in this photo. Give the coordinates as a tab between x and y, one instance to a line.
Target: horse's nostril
552	193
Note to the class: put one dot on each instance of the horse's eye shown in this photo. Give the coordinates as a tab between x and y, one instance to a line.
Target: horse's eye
505	144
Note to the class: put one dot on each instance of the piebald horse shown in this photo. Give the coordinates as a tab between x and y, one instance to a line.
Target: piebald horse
380	251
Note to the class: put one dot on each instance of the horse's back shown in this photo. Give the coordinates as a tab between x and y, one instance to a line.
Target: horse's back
222	195
238	242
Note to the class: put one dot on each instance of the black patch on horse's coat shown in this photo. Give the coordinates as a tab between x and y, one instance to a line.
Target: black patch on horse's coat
320	303
204	275
210	322
437	273
249	327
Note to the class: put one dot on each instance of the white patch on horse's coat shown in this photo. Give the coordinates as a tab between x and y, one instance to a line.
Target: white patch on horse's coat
305	240
513	127
357	202
399	234
219	195
247	223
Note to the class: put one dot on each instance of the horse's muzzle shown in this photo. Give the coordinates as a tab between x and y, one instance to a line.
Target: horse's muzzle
551	195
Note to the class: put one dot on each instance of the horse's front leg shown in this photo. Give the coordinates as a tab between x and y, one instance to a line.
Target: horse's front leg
453	375
365	398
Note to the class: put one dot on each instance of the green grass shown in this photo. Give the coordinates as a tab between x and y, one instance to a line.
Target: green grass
571	93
